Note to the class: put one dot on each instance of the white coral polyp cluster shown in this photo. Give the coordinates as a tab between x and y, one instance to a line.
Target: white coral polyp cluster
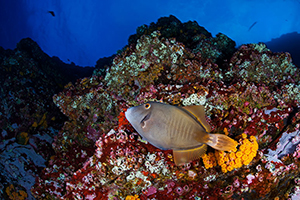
149	50
194	99
293	91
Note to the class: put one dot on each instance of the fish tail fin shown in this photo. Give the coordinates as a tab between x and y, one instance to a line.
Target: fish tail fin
221	142
187	155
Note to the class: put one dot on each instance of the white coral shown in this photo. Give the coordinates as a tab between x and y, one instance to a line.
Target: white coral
194	99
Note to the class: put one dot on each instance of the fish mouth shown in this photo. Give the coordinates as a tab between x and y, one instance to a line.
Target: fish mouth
147	116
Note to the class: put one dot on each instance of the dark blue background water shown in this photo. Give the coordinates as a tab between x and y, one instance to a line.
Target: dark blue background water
84	32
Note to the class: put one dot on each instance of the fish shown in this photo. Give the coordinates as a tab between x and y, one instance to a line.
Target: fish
52	13
252	26
181	129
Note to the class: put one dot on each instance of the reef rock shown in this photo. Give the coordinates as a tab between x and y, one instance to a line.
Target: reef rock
250	94
29	119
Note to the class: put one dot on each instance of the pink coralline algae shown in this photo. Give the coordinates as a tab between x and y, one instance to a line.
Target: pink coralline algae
253	94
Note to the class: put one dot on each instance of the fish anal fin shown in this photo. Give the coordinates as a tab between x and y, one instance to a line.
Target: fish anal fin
222	142
185	156
198	111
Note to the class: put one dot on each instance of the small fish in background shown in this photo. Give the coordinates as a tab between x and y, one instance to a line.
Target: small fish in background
252	26
182	129
52	13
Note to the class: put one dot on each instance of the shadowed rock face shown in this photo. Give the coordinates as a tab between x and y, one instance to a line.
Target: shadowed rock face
29	120
287	43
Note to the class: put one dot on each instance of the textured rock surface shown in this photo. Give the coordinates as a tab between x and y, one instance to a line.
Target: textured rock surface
250	93
29	119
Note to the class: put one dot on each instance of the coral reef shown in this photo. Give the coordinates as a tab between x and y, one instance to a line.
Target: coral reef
256	63
261	112
250	94
29	119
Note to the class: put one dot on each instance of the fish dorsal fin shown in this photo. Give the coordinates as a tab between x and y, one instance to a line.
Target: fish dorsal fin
199	112
187	155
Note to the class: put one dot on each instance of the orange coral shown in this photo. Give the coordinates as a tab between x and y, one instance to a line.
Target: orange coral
130	197
229	161
22	138
12	193
209	160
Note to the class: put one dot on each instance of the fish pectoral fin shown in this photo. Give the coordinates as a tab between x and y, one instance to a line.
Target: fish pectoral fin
187	155
221	142
199	112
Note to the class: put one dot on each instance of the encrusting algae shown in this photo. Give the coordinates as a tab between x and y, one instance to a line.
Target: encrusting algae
247	149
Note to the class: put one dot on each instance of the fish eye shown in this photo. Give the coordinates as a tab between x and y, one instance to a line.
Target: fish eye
147	106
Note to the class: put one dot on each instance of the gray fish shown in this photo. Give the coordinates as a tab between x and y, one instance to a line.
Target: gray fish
182	129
